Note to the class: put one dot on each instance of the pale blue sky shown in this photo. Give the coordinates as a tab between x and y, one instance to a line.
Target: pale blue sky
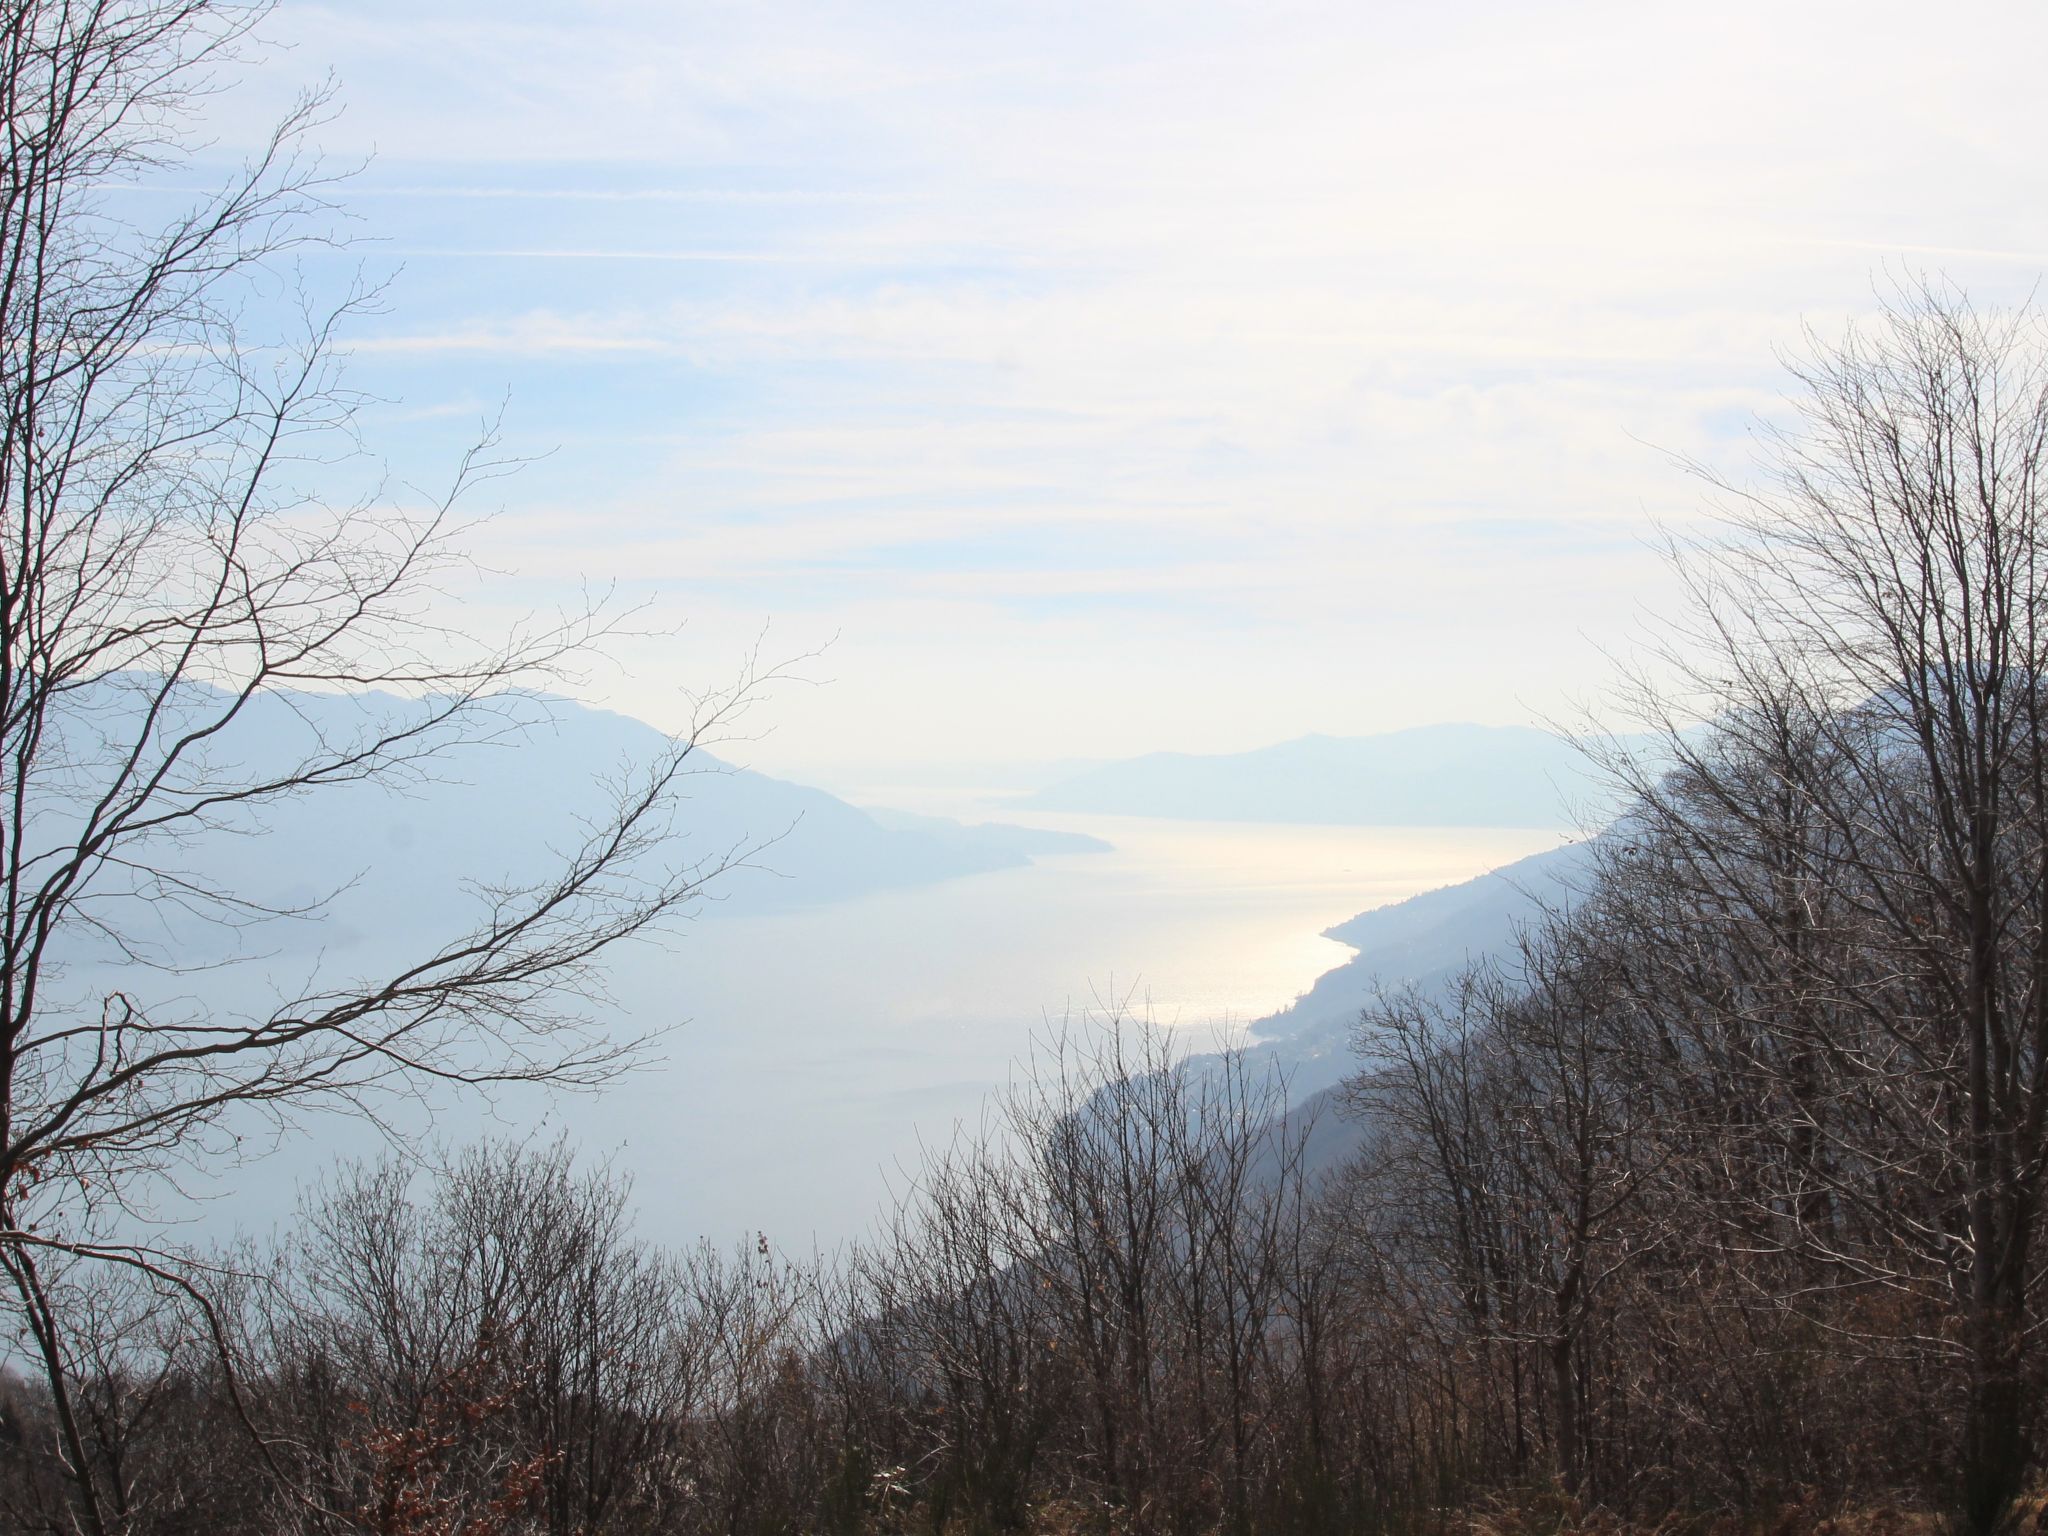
1123	376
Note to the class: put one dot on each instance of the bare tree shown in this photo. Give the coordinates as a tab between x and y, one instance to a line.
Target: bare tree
952	1300
1863	829
171	564
1438	1182
510	1290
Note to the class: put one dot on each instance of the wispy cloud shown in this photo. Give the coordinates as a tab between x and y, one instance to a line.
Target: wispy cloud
1334	352
600	253
571	193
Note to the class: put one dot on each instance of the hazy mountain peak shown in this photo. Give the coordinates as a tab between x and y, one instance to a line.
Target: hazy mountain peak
1452	774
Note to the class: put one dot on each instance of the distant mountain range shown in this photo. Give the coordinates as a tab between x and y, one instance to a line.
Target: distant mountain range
390	872
408	867
1436	775
403	863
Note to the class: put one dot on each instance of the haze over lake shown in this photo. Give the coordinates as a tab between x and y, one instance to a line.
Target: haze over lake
822	1043
856	982
812	1048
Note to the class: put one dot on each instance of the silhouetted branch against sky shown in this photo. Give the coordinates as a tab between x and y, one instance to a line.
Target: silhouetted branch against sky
173	564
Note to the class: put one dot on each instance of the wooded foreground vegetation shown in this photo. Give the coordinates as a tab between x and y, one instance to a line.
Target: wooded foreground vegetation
1597	1256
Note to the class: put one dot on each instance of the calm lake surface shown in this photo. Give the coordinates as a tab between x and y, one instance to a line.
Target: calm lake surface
814	1050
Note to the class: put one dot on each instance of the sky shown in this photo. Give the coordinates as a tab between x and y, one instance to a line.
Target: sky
1081	380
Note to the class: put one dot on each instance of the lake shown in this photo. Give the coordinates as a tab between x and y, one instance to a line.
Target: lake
814	1050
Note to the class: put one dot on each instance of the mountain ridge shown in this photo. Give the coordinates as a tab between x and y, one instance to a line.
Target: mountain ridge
1450	775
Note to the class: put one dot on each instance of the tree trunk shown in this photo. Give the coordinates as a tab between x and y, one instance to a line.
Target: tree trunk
1994	1449
1564	1388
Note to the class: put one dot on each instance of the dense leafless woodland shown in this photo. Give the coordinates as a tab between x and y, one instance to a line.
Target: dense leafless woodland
1637	1247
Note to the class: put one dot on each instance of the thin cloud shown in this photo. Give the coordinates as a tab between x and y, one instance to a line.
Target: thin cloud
2036	259
579	194
598	253
1344	327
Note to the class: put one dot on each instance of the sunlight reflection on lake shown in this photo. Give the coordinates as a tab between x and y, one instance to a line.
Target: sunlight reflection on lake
823	1044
